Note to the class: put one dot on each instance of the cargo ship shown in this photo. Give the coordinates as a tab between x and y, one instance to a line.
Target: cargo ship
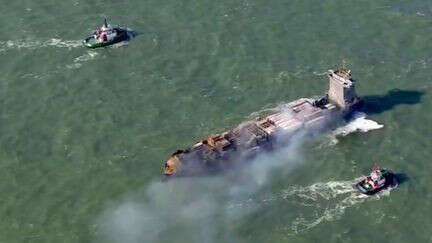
235	147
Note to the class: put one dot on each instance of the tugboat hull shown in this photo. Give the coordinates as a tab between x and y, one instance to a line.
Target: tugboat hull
390	181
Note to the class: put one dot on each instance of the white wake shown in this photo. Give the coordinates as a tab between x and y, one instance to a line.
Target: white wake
77	62
35	44
337	195
321	202
358	123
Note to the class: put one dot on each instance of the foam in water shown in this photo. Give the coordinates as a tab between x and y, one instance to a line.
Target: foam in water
328	202
359	123
346	196
35	44
131	34
63	43
342	194
120	44
90	55
311	205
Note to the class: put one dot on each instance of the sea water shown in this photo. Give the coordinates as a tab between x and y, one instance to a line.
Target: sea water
84	133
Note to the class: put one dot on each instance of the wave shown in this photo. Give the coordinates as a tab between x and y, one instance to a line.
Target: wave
131	35
358	123
120	44
338	197
86	57
320	202
89	55
27	44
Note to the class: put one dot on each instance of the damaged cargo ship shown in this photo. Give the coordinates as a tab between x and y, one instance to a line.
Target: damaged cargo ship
230	148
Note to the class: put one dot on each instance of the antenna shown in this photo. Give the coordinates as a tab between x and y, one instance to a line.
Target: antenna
344	66
375	167
343	70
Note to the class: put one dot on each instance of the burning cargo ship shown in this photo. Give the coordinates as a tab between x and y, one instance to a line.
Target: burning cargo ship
265	133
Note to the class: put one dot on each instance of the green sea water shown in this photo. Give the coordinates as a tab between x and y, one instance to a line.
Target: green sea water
84	133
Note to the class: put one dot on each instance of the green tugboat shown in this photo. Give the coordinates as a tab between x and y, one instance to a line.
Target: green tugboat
106	36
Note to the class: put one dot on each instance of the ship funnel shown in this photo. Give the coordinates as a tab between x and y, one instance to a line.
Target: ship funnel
342	88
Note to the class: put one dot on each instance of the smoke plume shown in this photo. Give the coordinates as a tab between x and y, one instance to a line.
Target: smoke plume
199	209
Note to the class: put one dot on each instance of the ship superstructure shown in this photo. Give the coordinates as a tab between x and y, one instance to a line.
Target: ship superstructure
230	148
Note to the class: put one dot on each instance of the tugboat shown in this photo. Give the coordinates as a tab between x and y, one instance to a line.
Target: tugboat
106	36
378	180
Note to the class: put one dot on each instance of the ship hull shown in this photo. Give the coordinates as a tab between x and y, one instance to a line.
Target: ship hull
265	134
302	117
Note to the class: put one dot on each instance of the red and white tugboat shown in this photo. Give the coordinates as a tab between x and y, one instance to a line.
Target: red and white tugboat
378	180
106	36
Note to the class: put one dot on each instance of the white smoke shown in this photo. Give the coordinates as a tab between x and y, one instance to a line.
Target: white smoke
284	159
196	209
184	210
203	209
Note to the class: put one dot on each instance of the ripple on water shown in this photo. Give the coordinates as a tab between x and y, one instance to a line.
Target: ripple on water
327	201
77	62
358	123
35	44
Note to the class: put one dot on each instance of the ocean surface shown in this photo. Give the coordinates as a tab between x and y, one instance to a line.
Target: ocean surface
84	133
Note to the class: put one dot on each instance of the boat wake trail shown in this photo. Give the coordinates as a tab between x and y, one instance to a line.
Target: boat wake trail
325	202
358	123
77	62
316	203
27	44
